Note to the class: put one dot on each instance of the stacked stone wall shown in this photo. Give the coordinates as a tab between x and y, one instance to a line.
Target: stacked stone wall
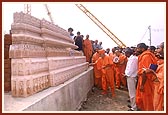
7	63
42	55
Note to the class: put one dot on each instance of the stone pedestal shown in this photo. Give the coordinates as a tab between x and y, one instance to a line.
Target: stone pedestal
42	56
64	97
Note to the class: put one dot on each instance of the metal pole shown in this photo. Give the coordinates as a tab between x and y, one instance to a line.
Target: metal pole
149	35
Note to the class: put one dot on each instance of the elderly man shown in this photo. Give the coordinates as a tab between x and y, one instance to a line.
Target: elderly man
105	65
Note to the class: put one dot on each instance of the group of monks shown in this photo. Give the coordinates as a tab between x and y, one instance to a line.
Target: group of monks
109	69
150	87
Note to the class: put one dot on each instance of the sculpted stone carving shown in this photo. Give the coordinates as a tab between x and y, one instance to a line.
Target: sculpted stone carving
14	90
21	89
34	85
26	19
42	55
28	87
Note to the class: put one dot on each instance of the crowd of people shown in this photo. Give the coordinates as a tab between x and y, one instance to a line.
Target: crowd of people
139	69
85	45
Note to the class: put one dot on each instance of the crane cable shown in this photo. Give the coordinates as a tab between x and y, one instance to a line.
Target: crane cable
143	35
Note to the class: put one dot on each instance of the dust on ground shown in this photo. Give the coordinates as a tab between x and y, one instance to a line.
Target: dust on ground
97	102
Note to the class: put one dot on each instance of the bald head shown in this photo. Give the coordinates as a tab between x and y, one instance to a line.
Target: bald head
102	53
87	36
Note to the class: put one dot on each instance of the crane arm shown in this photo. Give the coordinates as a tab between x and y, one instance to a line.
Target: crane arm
49	13
101	26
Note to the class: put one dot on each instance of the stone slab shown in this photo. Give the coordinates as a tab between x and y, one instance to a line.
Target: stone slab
65	97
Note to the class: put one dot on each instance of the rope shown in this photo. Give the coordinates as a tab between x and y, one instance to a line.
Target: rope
143	36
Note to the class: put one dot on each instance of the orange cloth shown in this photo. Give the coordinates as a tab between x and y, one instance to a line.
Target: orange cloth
120	69
87	48
97	73
144	100
158	101
107	73
111	56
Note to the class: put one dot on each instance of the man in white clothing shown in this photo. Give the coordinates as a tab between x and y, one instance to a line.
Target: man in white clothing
130	74
70	30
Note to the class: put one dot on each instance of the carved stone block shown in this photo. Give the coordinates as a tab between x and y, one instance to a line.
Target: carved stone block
28	66
23	28
48	25
27	19
26	50
23	86
58	77
42	55
61	62
24	38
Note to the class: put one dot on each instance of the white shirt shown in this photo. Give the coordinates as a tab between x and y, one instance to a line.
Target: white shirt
132	66
72	36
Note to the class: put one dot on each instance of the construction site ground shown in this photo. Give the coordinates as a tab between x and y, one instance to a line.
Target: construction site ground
97	102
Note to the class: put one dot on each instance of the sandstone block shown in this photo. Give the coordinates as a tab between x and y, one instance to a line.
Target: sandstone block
42	55
26	50
48	25
7	39
27	19
28	66
59	76
28	85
